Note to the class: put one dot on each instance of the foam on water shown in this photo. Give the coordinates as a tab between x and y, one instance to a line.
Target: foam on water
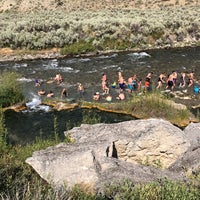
23	79
76	60
108	56
138	55
60	69
84	59
70	61
43	108
24	65
16	65
36	105
35	101
110	67
92	71
68	69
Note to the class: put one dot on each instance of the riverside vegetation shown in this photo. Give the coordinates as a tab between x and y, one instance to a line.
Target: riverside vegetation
85	31
148	105
19	181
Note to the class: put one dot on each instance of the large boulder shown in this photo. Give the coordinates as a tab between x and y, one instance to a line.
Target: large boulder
190	161
103	153
80	164
137	141
192	132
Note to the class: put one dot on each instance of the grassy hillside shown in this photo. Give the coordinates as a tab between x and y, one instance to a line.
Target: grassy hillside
84	26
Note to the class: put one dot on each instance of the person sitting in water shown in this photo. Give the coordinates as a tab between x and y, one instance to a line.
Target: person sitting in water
37	83
41	92
64	93
58	78
96	96
121	96
50	94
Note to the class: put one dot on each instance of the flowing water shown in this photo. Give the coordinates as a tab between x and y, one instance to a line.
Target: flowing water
25	126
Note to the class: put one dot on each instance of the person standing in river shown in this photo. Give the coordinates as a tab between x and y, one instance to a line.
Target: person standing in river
130	84
191	79
161	80
182	83
81	90
64	93
170	82
121	81
104	84
147	82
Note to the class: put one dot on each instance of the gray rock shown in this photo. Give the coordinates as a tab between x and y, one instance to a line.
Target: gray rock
103	153
136	141
189	162
192	132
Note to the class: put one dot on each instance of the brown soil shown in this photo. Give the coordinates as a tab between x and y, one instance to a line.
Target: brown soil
70	5
11	52
8	54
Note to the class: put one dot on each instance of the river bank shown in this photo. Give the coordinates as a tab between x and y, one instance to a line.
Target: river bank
148	106
89	32
11	55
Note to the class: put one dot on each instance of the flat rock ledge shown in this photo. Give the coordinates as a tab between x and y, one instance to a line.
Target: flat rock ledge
139	150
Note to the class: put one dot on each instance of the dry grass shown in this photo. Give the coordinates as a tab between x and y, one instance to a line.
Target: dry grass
71	5
11	52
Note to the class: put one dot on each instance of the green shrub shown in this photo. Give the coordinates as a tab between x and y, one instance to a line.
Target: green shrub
111	29
3	132
90	118
162	189
79	47
10	89
148	105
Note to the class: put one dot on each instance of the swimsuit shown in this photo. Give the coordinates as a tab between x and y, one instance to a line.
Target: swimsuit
121	85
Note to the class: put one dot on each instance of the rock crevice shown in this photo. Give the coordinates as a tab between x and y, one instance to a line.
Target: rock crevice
139	150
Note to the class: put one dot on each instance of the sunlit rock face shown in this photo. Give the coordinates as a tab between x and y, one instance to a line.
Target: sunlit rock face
103	153
136	141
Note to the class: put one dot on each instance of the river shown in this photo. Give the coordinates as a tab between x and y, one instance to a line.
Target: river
25	126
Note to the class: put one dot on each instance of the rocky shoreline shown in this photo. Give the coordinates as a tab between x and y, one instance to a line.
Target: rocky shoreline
8	54
60	105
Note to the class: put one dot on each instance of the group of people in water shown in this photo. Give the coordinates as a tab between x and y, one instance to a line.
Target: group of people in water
132	84
64	92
